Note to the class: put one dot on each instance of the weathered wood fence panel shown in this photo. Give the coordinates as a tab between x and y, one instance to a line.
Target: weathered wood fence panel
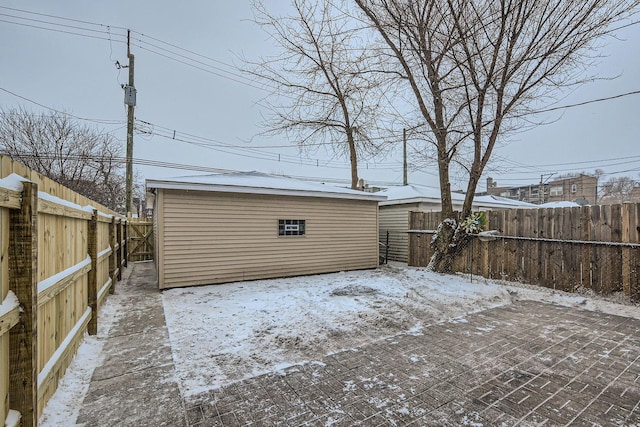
140	240
51	287
564	248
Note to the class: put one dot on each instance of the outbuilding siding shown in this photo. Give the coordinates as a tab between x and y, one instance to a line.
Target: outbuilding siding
395	219
210	237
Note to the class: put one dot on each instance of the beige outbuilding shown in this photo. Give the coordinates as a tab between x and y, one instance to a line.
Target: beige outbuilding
394	212
245	226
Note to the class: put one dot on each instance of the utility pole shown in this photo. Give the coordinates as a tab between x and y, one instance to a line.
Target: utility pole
130	102
541	190
405	179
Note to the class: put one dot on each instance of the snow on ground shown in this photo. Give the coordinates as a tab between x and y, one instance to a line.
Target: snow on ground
65	404
224	333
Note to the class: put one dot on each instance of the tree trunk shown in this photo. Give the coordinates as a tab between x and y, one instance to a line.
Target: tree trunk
353	159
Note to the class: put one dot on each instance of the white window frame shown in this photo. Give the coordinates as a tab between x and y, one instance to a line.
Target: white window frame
556	191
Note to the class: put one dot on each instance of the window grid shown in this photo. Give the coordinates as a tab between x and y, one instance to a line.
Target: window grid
291	227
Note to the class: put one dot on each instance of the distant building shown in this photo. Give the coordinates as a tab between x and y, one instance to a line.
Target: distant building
581	189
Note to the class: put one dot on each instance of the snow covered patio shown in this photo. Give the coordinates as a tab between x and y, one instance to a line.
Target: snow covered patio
393	346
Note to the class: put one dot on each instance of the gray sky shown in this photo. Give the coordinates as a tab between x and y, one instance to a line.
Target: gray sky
77	74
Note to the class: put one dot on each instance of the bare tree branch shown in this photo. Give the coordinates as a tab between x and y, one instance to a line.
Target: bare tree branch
323	89
476	68
77	156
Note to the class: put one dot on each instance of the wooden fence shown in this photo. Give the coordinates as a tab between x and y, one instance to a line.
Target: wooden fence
140	240
60	255
594	247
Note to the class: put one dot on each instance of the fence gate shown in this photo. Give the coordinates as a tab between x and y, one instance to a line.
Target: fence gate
140	241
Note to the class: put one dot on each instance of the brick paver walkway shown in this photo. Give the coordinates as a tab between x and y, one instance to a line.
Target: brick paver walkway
524	364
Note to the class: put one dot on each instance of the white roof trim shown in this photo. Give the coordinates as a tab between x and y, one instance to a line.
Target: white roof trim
409	201
353	194
477	204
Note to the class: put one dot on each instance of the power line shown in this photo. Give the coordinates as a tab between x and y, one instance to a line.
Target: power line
58	17
105	33
74	27
58	31
251	152
99	121
200	65
171	165
579	104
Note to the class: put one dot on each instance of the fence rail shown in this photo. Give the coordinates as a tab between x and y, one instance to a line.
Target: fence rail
593	247
61	254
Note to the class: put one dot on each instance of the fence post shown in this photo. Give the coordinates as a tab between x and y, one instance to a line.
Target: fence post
92	291
386	249
114	254
120	247
126	243
23	281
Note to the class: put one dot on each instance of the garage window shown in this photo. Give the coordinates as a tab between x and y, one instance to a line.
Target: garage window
291	227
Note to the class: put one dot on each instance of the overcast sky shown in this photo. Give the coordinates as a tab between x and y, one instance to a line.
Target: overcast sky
77	74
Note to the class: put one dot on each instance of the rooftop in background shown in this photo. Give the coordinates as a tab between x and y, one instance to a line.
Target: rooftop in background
579	188
413	193
261	183
560	204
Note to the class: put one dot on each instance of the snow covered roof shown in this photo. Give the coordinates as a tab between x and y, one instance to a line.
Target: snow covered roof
260	183
560	204
413	193
491	200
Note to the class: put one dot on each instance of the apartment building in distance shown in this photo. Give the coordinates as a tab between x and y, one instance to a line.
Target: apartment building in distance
579	188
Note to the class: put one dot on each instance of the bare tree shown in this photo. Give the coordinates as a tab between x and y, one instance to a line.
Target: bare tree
322	90
617	190
475	68
80	157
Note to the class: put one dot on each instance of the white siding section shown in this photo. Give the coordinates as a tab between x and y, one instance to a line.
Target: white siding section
209	237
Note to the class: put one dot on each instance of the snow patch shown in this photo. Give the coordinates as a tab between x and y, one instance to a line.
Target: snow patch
50	281
13	182
9	303
13	418
64	406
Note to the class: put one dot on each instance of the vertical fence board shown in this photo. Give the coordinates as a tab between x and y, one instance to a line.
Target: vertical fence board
125	239
92	291
634	276
4	290
625	227
114	254
23	347
120	253
585	252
